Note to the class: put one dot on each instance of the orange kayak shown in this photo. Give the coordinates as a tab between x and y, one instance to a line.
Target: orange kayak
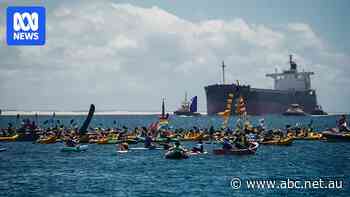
9	138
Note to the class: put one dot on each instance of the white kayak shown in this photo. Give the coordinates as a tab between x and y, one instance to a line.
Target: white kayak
122	151
197	153
143	148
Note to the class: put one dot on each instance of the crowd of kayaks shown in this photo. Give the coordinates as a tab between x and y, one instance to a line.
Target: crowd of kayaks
169	138
245	139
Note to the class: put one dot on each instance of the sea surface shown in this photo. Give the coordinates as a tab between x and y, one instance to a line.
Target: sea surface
28	169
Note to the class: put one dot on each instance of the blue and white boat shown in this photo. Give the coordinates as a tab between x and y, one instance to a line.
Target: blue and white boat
188	108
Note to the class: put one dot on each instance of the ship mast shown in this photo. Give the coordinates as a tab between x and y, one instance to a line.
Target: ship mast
223	72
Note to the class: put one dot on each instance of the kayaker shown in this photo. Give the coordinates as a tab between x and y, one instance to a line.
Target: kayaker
261	127
124	146
198	147
211	132
342	124
242	142
226	144
70	142
177	147
144	132
167	144
148	142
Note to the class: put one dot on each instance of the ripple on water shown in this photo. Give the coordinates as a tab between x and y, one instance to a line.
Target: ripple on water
42	170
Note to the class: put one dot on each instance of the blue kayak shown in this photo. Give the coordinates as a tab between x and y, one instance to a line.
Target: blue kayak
78	148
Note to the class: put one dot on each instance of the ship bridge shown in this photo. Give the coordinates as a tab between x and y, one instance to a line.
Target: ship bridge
291	80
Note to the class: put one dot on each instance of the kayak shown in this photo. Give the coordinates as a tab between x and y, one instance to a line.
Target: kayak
78	148
284	141
336	136
310	136
164	139
9	138
84	138
159	140
107	141
197	153
122	151
143	148
176	154
27	136
48	140
192	138
235	151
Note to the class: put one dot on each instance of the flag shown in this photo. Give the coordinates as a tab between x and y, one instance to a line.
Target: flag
153	126
227	112
241	109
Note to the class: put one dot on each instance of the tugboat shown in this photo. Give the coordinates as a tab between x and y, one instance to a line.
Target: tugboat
188	108
319	111
294	110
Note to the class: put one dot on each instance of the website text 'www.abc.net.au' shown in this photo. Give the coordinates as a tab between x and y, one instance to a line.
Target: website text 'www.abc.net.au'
287	184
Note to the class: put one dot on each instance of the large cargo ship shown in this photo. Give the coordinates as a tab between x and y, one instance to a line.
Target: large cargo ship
290	87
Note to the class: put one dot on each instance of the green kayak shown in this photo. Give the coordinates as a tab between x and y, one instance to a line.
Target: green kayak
75	148
176	154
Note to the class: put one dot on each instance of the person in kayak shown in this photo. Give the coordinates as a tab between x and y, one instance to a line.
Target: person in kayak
177	147
149	142
211	133
242	142
124	146
342	124
69	142
198	147
226	144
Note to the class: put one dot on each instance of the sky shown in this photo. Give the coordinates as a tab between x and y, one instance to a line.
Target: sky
128	55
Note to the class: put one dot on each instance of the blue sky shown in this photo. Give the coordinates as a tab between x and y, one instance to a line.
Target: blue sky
118	53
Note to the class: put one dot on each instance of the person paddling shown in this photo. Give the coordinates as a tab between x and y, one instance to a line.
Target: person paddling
342	124
242	142
70	142
178	147
149	142
198	147
226	144
123	146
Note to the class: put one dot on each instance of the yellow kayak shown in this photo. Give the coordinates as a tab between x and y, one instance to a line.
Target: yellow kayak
49	140
9	138
284	141
309	136
102	141
192	137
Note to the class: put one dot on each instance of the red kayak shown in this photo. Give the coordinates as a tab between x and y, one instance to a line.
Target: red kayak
235	151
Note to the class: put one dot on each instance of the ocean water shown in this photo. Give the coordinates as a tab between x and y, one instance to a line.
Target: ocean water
28	169
131	121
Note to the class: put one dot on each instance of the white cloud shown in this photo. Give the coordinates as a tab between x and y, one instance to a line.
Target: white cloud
127	57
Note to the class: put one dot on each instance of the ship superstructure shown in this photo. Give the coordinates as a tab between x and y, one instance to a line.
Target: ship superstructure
290	87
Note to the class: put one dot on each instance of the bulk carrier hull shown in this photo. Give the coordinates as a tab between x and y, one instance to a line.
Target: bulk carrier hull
258	101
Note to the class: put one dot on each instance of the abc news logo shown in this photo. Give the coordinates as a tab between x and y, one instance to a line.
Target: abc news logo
25	25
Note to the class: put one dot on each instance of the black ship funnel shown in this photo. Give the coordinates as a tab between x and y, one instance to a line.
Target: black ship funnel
293	65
